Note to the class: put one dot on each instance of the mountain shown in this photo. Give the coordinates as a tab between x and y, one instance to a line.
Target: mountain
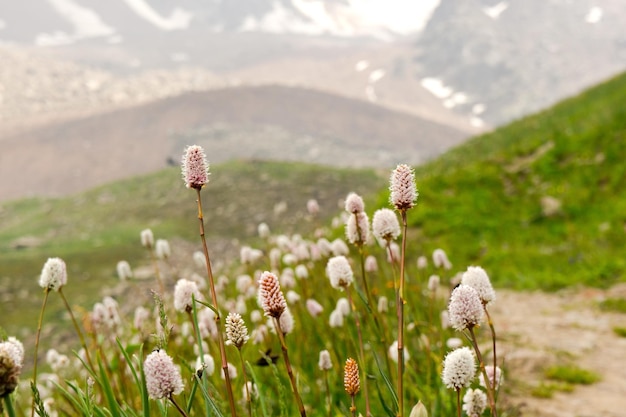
540	201
266	122
482	62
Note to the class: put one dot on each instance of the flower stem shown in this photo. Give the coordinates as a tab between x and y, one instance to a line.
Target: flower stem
220	337
245	383
328	398
400	313
490	387
357	322
9	406
458	402
180	410
292	379
77	328
493	340
353	407
43	307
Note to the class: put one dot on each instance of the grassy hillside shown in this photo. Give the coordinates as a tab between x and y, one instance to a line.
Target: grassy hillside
482	201
92	231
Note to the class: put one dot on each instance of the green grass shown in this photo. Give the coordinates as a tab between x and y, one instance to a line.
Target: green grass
481	202
547	389
92	231
617	305
620	331
572	375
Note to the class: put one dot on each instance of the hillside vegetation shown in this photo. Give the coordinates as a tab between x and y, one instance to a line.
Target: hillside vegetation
482	201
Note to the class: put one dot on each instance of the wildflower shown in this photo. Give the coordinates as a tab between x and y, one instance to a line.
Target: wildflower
402	187
465	308
16	349
357	228
123	270
343	305
256	316
422	262
324	362
287	279
147	238
371	265
433	283
271	297
383	304
259	334
385	225
351	381
263	230
324	246
162	249
354	203
474	402
393	352
10	367
206	364
292	297
199	259
339	247
393	255
236	330
286	322
314	308
477	278
232	371
440	259
195	168
183	293
490	374
162	377
53	275
339	272
312	207
459	368
336	319
454	343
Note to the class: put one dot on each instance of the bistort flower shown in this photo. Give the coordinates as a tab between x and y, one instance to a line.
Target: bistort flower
465	308
351	381
339	272
162	376
477	278
195	167
53	275
459	368
183	292
402	187
271	297
385	225
236	330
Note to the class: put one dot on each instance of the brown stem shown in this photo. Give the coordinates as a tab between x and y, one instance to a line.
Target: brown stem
353	407
43	308
458	402
180	410
220	337
77	328
490	390
357	322
328	398
493	340
292	379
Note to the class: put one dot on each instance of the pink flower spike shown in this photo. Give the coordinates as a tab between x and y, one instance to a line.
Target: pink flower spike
195	167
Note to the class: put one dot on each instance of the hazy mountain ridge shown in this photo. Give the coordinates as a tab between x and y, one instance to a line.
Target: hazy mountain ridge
232	123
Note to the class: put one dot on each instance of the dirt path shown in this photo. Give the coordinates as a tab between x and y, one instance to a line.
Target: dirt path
538	330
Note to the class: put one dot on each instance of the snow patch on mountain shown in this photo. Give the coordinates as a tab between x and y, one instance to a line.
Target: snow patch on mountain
383	19
86	24
177	20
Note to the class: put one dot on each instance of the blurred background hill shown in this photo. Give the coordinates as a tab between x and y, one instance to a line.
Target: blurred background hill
294	72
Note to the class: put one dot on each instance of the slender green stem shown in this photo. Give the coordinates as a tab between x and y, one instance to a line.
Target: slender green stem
77	328
157	270
43	308
245	383
357	322
203	377
9	406
328	397
400	313
493	340
292	379
489	386
220	337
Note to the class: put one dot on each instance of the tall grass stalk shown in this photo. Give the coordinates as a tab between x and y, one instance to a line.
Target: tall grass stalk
400	313
481	363
77	328
292	379
357	322
220	336
39	323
